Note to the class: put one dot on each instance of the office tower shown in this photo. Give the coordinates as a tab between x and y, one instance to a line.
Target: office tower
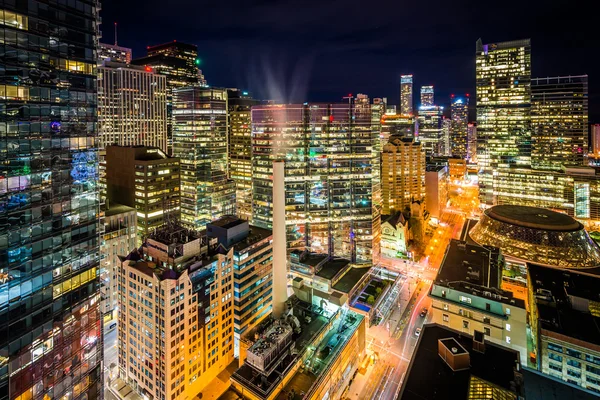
596	138
146	179
472	142
427	96
240	149
396	125
459	115
503	72
179	62
406	94
402	174
445	149
50	320
175	315
430	129
200	142
132	106
252	273
114	53
119	238
331	175
436	189
559	120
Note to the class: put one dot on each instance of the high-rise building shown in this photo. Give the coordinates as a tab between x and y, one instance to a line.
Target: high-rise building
472	142
114	53
445	147
459	115
240	149
596	138
406	94
559	119
50	317
503	72
119	238
402	174
427	99
331	175
179	62
252	273
398	126
430	129
200	142
146	179
175	314
436	189
132	106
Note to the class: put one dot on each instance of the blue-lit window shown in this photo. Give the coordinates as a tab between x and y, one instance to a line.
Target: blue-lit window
555	357
554	347
574	363
555	367
592	359
574	353
593	370
575	374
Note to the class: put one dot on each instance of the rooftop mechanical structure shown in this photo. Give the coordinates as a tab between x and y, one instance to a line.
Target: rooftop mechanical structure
536	234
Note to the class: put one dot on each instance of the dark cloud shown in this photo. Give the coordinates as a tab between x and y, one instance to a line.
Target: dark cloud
323	49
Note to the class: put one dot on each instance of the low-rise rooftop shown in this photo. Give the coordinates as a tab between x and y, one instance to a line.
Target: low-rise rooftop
350	279
332	267
565	301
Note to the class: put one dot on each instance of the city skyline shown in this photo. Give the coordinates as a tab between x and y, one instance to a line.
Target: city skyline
357	50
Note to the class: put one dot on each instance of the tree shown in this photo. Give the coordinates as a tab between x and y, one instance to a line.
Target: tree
378	291
370	300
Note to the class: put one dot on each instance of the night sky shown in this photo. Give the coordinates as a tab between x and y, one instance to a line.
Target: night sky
321	50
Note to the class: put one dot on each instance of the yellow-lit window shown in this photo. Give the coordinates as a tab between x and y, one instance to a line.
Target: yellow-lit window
14	92
13	19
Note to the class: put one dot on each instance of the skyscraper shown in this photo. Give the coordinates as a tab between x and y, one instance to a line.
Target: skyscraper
397	125
503	72
114	53
402	174
459	114
445	149
240	149
596	138
146	179
427	96
472	142
200	142
559	118
179	62
132	106
406	94
331	175
50	319
430	129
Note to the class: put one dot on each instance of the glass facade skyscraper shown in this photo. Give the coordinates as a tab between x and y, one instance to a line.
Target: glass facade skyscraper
200	142
332	175
430	129
406	94
503	80
50	318
559	118
427	96
459	114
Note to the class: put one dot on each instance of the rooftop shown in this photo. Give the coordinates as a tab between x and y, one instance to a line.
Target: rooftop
533	217
350	279
228	221
332	267
429	377
544	387
116	208
472	263
256	235
564	300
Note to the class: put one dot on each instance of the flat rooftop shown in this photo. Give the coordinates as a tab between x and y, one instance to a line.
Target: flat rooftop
332	267
558	314
228	221
471	263
544	387
350	279
429	377
310	259
116	208
255	235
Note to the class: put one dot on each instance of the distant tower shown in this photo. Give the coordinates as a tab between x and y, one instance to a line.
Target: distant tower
427	96
596	138
406	94
459	115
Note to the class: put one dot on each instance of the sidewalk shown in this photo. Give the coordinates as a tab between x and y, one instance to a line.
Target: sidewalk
220	384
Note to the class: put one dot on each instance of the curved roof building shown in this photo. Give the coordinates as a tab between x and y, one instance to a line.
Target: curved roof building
537	235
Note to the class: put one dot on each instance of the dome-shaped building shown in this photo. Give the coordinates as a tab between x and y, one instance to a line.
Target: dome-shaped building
537	235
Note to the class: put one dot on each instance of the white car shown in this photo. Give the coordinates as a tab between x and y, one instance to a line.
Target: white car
417	332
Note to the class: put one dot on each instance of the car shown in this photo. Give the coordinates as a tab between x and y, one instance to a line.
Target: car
424	312
417	332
